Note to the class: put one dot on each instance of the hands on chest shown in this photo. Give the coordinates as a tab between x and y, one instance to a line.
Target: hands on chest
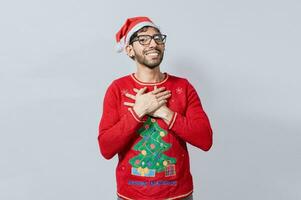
152	103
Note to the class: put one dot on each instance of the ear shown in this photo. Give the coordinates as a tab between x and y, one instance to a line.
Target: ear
129	50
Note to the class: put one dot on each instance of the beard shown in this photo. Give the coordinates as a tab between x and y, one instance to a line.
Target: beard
150	63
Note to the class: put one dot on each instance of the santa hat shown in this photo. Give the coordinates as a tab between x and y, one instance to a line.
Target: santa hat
130	26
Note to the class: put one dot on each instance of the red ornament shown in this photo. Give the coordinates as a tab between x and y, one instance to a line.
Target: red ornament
137	162
152	146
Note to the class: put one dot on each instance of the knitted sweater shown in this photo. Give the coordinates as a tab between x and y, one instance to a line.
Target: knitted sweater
153	157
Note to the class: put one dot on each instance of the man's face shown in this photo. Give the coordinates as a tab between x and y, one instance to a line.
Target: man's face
148	55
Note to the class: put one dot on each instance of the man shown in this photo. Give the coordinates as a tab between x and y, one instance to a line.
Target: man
148	117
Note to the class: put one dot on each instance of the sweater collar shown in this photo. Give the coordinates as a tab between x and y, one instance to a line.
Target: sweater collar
166	76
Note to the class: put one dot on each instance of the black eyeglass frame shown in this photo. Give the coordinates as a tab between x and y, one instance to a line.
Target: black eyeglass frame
152	37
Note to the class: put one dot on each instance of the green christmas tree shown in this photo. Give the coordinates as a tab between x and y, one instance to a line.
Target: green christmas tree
151	158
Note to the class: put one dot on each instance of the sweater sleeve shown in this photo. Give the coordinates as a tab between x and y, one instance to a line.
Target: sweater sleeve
115	132
194	126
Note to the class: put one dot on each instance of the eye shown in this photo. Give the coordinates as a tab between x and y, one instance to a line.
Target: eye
159	38
143	39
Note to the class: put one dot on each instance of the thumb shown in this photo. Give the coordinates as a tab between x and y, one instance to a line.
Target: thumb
141	91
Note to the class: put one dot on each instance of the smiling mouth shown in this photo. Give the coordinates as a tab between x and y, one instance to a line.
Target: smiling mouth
153	53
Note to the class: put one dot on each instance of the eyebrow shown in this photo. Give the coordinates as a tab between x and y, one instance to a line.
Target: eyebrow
151	35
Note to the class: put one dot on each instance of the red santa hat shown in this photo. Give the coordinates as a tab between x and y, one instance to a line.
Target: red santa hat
130	26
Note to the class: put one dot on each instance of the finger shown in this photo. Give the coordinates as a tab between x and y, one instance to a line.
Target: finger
130	96
158	90
136	90
141	91
162	94
128	104
162	102
155	87
163	97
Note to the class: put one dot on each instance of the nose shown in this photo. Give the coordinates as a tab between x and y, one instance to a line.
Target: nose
153	43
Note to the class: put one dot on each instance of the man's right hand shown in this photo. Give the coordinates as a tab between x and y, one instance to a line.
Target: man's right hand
146	103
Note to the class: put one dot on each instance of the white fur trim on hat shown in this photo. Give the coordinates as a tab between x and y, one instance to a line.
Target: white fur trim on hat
125	39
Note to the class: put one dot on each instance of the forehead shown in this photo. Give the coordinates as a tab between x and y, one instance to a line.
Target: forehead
148	31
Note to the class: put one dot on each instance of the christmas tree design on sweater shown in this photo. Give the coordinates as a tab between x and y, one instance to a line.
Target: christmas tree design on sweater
152	159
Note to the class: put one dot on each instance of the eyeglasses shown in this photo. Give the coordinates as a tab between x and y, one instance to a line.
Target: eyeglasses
146	39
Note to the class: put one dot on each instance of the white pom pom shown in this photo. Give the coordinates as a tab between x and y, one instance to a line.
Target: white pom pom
119	47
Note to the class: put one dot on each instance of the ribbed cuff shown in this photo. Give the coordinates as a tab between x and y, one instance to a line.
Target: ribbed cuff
173	119
134	114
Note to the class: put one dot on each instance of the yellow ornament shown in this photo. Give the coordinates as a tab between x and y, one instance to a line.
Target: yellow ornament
162	134
165	163
143	152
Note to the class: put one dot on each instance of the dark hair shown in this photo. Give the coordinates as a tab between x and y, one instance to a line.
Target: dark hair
143	29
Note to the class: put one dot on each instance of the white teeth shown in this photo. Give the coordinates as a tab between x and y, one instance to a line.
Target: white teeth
152	53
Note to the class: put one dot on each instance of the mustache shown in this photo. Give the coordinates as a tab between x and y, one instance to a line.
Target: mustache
158	50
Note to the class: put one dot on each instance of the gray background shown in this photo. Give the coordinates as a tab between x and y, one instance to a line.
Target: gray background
57	58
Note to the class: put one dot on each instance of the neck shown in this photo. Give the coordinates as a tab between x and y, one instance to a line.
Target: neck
149	75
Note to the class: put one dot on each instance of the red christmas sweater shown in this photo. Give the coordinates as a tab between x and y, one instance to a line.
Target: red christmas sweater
153	157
